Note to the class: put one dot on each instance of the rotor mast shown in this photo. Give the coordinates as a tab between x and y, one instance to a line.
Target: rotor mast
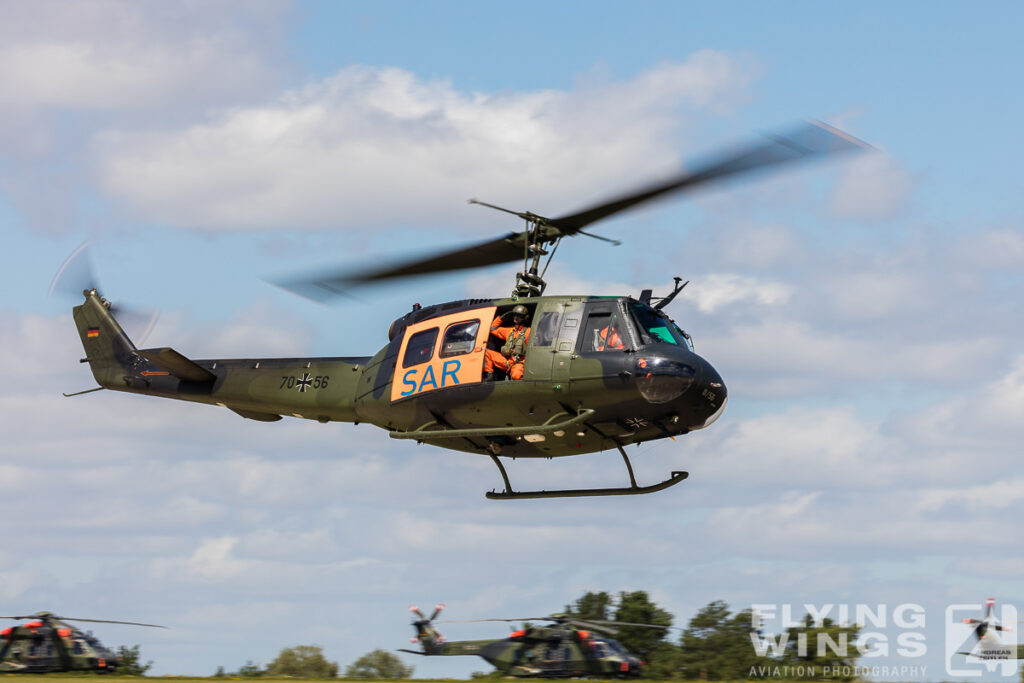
539	232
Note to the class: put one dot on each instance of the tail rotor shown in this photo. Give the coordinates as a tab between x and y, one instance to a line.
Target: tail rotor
427	636
78	274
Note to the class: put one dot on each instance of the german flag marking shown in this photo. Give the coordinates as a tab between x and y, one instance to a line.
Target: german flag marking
93	332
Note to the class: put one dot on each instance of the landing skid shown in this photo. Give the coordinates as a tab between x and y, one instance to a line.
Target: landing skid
631	490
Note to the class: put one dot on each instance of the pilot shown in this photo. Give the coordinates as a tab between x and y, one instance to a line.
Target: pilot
516	336
608	338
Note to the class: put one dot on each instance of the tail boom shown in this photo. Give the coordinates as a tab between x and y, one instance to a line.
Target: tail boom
260	389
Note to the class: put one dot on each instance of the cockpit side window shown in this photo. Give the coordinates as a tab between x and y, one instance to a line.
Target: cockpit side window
604	331
654	328
420	348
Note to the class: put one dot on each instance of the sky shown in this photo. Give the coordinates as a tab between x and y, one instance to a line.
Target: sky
865	312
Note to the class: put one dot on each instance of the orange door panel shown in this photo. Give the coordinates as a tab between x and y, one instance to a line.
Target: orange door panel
441	353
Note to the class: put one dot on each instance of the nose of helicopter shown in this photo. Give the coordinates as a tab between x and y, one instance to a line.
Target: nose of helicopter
682	377
712	394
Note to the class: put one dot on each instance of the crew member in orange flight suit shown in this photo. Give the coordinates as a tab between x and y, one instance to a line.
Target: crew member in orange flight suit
608	338
513	353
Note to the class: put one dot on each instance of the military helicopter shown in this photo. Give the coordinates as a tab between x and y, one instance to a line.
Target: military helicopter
596	372
988	645
567	646
47	644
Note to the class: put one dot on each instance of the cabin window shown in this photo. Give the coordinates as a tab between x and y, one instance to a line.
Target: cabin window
420	347
546	328
459	338
604	331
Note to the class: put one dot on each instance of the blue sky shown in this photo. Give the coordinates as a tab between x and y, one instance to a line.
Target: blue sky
865	313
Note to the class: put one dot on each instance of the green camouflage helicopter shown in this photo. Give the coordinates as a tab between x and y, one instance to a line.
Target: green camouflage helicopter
567	647
597	372
47	644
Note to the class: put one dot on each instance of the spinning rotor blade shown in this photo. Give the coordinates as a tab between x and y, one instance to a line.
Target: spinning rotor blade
492	252
53	617
109	621
629	623
810	140
476	621
78	274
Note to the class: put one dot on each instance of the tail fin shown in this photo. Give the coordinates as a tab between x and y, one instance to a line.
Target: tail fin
429	638
108	349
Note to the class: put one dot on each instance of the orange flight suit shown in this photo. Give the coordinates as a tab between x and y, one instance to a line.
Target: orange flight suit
608	338
513	365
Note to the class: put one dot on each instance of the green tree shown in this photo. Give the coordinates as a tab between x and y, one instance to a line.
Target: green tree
822	651
302	661
130	662
378	664
717	645
591	606
649	643
637	608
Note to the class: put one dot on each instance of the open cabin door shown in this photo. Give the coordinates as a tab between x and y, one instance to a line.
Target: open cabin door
442	352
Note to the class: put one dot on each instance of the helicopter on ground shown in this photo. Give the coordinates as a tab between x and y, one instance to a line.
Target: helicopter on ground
566	646
987	644
595	372
46	644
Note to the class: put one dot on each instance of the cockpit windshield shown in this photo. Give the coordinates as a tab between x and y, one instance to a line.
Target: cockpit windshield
614	646
654	327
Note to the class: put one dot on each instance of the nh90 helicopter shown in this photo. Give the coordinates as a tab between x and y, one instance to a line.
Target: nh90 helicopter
987	644
565	647
46	644
594	373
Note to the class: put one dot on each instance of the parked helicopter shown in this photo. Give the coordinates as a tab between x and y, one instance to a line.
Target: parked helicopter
47	644
988	645
597	372
567	647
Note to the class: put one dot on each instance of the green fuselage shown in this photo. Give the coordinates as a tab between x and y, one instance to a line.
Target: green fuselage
578	393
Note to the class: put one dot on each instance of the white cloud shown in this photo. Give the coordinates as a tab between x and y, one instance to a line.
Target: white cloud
373	145
716	290
981	419
110	56
1006	495
872	187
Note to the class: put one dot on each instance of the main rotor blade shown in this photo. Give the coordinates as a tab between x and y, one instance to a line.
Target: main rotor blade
108	621
812	139
330	284
476	621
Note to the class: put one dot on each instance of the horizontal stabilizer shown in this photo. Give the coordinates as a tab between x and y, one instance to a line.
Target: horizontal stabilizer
254	415
177	364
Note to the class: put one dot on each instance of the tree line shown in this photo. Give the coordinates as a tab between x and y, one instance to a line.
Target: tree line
720	645
716	645
308	661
